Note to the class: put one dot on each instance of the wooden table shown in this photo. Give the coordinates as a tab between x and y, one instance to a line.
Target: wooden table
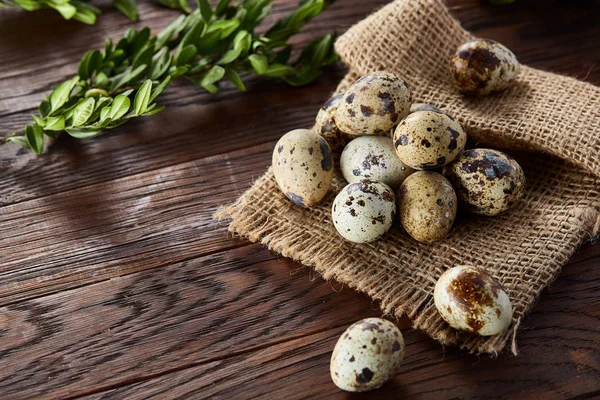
116	283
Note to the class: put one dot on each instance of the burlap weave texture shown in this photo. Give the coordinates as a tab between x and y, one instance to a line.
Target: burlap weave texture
550	123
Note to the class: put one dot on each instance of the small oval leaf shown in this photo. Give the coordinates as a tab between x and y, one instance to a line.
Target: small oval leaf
142	98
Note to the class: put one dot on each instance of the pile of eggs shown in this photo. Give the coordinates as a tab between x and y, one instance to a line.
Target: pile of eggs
406	162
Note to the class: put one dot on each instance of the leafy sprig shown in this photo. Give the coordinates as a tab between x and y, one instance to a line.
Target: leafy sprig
79	10
123	81
83	11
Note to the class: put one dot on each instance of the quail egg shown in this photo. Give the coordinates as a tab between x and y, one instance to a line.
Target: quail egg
374	104
325	125
483	66
427	206
367	355
428	140
373	158
303	166
363	211
486	181
471	300
424	107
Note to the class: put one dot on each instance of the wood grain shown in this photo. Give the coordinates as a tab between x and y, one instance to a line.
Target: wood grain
116	283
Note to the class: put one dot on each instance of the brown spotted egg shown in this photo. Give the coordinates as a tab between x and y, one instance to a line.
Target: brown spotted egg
483	66
325	125
303	166
374	104
486	181
471	300
424	107
428	140
363	211
367	355
373	158
427	206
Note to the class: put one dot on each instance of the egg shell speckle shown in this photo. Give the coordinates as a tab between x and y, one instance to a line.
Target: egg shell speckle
363	211
367	355
374	104
487	182
471	300
427	206
326	126
483	66
428	140
373	158
303	166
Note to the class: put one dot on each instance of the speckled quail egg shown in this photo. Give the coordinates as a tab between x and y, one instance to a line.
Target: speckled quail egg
303	166
427	206
374	104
424	107
363	211
483	66
486	181
325	125
373	158
471	300
428	140
367	355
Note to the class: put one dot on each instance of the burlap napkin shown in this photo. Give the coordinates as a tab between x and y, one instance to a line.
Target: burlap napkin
555	119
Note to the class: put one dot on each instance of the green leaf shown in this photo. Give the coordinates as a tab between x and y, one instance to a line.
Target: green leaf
229	56
153	111
186	55
39	121
235	78
20	140
101	79
90	62
177	5
172	29
194	34
86	13
222	5
161	62
259	62
242	41
67	11
142	98
159	89
143	57
55	123
214	75
279	70
61	93
105	114
126	76
210	88
209	42
119	107
174	72
44	108
128	8
83	111
83	133
35	138
226	27
205	10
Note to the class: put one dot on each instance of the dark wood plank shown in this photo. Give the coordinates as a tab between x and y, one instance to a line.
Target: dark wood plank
122	226
133	328
148	323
